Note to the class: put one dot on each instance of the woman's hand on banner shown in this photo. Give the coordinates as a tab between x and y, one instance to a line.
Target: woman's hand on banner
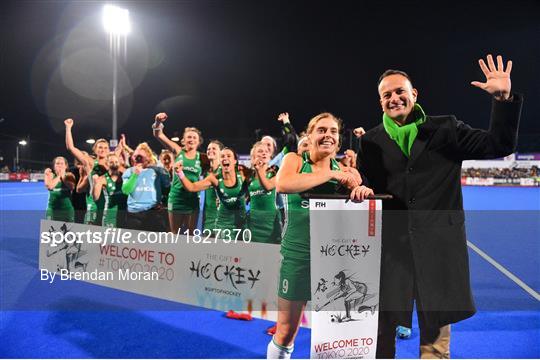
346	178
360	193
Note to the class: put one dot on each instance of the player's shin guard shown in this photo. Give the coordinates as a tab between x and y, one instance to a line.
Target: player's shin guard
275	351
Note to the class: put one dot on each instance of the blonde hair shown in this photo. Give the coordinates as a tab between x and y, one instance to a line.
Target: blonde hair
149	153
314	120
254	147
195	130
97	142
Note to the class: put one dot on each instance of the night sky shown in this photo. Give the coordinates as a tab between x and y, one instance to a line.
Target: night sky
229	67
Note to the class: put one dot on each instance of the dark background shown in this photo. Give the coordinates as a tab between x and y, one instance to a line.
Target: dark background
229	67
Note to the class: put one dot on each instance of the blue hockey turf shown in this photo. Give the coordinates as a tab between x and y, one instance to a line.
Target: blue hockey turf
504	223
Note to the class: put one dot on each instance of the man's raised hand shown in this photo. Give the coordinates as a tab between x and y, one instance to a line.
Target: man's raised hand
497	78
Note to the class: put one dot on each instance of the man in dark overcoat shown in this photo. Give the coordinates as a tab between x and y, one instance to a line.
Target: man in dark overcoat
417	159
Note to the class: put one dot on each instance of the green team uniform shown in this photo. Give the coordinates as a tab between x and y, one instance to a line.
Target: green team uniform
59	206
181	200
264	219
294	272
115	201
210	207
231	212
94	209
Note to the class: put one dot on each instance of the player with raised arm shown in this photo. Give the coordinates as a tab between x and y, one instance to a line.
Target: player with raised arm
92	166
183	205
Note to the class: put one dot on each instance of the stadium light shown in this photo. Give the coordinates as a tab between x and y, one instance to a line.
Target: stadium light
116	20
116	23
90	141
16	160
175	139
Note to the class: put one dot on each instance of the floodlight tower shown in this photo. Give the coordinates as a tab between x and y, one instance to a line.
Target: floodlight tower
116	23
16	165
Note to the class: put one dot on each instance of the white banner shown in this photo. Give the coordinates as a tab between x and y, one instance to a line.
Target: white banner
345	271
195	271
480	181
37	176
500	164
526	182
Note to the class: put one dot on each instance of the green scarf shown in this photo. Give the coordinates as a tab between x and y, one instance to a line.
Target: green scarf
405	135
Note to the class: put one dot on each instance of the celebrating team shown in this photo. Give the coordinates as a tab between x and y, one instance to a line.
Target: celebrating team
412	156
133	189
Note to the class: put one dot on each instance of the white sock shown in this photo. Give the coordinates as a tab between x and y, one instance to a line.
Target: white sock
275	351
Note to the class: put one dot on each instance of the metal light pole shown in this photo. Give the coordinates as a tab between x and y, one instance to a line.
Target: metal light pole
16	165
116	23
115	91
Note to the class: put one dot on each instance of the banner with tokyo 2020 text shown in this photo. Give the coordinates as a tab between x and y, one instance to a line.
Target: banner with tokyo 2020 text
345	272
199	271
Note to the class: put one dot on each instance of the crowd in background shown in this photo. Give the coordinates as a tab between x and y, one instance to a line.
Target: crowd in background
501	173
